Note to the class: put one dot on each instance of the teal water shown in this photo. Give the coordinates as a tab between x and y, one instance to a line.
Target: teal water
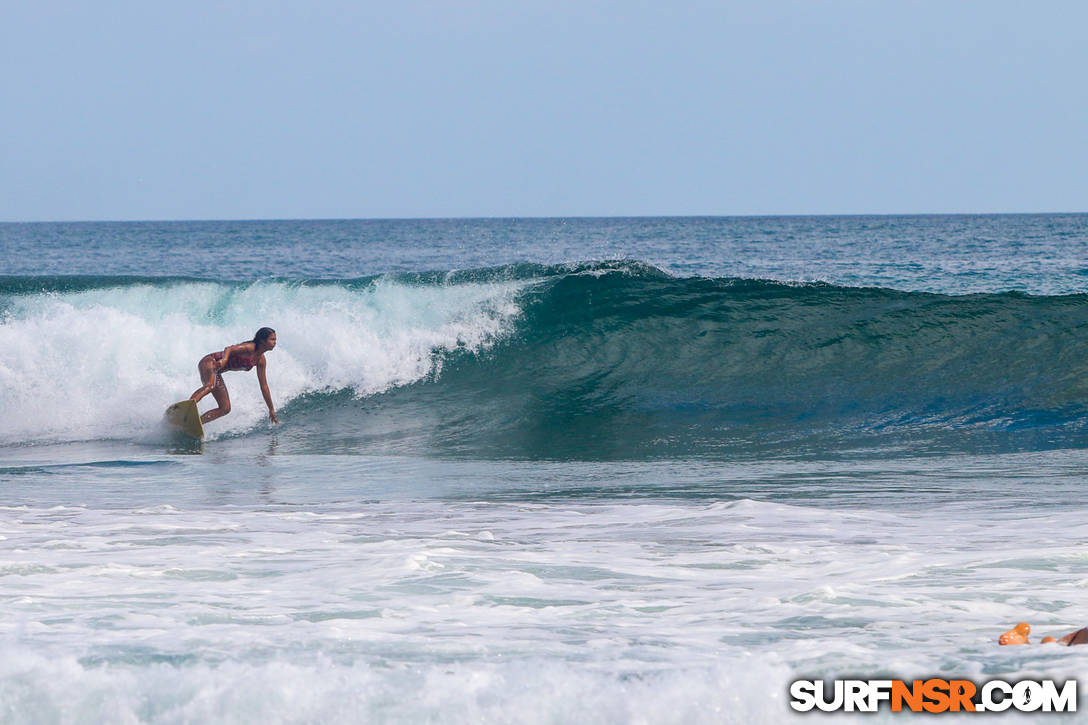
606	470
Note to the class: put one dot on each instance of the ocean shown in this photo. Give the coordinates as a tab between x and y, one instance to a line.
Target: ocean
639	470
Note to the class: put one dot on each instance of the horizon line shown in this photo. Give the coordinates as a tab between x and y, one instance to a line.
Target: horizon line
516	217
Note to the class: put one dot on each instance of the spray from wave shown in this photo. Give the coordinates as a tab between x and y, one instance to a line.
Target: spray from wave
99	360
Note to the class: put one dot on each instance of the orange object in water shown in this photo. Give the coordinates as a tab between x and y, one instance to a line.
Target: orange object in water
1016	635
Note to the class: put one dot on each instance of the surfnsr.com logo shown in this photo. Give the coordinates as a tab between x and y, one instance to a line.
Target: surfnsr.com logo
933	695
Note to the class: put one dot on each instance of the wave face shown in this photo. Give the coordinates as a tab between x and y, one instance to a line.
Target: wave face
589	361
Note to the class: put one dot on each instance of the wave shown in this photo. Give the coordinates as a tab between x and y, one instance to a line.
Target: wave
590	360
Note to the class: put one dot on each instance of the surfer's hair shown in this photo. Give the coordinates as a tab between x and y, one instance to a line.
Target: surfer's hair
263	334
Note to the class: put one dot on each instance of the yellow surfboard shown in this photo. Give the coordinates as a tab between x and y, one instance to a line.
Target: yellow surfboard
185	418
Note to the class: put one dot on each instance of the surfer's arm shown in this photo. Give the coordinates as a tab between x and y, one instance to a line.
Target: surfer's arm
264	390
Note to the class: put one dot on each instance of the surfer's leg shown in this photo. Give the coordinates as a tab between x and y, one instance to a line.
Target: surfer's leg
1016	635
219	392
208	377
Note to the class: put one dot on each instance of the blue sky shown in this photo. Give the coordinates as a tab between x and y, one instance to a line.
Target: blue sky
274	109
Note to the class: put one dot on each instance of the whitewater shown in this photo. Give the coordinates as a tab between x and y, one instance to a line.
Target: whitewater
589	470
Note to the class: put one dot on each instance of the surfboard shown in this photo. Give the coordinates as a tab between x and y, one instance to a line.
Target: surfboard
185	418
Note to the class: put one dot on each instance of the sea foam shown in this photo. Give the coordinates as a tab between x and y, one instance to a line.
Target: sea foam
103	363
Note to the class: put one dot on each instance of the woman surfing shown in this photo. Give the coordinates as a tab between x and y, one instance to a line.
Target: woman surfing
243	356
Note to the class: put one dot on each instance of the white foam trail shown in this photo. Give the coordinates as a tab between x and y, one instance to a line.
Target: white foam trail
420	610
104	364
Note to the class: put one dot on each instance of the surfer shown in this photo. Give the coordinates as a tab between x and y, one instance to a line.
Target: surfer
1019	635
243	356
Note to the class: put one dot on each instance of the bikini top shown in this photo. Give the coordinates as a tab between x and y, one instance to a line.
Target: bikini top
237	361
